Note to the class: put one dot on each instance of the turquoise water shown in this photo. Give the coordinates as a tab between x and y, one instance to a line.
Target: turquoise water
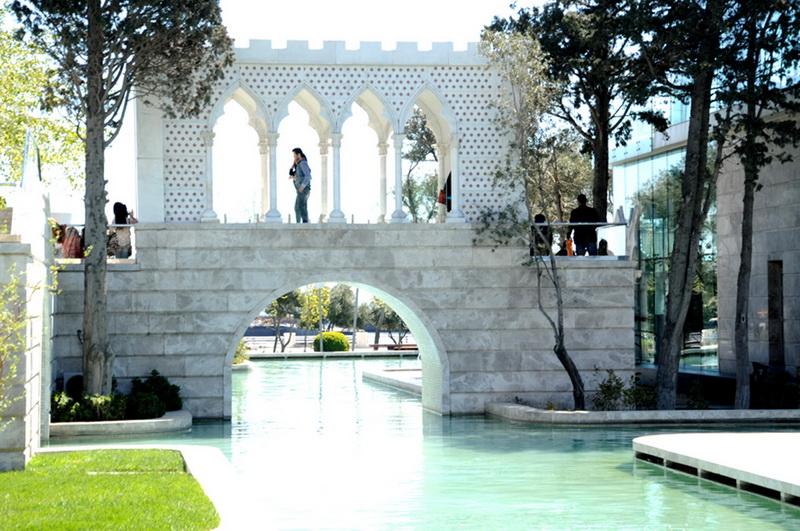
317	448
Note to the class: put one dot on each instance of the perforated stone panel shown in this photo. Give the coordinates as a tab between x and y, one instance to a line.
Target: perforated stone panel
335	76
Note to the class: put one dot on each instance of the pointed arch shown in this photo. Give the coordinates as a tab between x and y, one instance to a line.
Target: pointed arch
247	98
382	118
440	116
319	113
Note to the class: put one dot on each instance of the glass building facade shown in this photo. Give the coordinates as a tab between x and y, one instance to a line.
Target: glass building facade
648	181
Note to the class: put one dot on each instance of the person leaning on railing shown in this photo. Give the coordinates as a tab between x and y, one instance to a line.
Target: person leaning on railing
585	237
119	236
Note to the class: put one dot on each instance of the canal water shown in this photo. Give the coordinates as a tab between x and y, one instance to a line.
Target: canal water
318	448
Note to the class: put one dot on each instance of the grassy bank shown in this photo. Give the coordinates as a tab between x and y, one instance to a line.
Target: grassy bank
105	489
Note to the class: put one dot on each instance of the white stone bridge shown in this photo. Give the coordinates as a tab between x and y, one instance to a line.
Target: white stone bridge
184	303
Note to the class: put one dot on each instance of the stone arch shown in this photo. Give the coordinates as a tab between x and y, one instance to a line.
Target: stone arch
244	96
435	362
319	112
382	118
441	118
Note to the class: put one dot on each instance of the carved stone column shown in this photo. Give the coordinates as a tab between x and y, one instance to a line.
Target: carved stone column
455	215
383	150
273	215
324	148
336	215
398	216
208	215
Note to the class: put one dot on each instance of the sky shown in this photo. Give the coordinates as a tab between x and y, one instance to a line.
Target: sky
351	21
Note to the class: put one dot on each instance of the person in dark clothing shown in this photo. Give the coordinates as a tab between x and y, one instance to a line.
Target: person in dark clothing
585	237
541	246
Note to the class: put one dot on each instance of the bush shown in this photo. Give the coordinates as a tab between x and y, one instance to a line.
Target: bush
88	407
333	342
609	393
158	385
149	399
241	355
145	405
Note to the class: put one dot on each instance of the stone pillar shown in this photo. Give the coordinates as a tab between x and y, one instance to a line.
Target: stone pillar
336	216
324	147
263	155
209	215
455	215
442	152
273	215
383	150
398	216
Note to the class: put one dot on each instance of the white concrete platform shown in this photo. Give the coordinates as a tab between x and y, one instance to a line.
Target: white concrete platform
409	380
171	421
762	463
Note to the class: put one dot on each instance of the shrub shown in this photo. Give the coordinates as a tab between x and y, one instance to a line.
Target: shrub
144	405
158	385
639	396
241	355
609	393
333	342
87	408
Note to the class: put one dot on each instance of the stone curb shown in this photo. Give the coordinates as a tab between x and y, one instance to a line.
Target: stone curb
520	413
171	421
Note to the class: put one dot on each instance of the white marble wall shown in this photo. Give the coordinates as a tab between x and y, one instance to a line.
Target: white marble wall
776	223
26	251
185	303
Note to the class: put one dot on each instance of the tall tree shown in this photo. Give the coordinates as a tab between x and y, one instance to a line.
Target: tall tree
25	72
590	54
342	306
168	53
528	95
762	121
683	45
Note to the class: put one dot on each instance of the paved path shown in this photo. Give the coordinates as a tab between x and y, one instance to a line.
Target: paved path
764	463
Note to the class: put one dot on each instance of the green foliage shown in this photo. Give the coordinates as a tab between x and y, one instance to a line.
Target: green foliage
159	386
333	342
88	407
149	399
241	355
145	405
340	308
13	342
24	74
109	488
310	306
420	192
609	393
614	395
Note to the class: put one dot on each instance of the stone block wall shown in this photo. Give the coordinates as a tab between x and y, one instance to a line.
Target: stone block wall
775	226
183	305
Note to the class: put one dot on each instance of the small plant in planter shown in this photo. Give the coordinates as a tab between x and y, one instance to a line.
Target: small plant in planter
5	216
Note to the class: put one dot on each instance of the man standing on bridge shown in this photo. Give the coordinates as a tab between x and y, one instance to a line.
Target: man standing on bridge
585	237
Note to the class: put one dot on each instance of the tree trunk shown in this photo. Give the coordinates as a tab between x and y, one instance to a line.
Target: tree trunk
600	149
740	343
98	358
683	259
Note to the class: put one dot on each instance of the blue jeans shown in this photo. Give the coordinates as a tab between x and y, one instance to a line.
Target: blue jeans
301	205
580	249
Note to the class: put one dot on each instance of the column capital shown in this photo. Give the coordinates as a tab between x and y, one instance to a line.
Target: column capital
272	139
398	140
336	140
208	138
383	148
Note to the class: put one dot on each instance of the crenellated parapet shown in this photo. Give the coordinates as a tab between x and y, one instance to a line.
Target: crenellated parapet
367	53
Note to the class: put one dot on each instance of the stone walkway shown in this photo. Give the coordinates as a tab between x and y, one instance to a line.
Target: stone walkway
763	463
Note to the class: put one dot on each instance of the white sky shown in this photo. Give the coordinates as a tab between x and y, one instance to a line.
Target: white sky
352	21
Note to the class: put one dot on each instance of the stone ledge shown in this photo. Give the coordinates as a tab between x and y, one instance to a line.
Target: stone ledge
171	421
520	413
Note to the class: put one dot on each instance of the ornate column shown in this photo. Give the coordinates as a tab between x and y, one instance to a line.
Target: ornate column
398	216
323	188
455	215
442	152
336	215
273	215
263	152
383	150
208	215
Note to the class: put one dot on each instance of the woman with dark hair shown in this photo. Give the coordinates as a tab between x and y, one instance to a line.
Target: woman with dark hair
300	173
119	238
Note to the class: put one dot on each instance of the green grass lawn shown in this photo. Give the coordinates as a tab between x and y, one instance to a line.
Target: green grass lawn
105	489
